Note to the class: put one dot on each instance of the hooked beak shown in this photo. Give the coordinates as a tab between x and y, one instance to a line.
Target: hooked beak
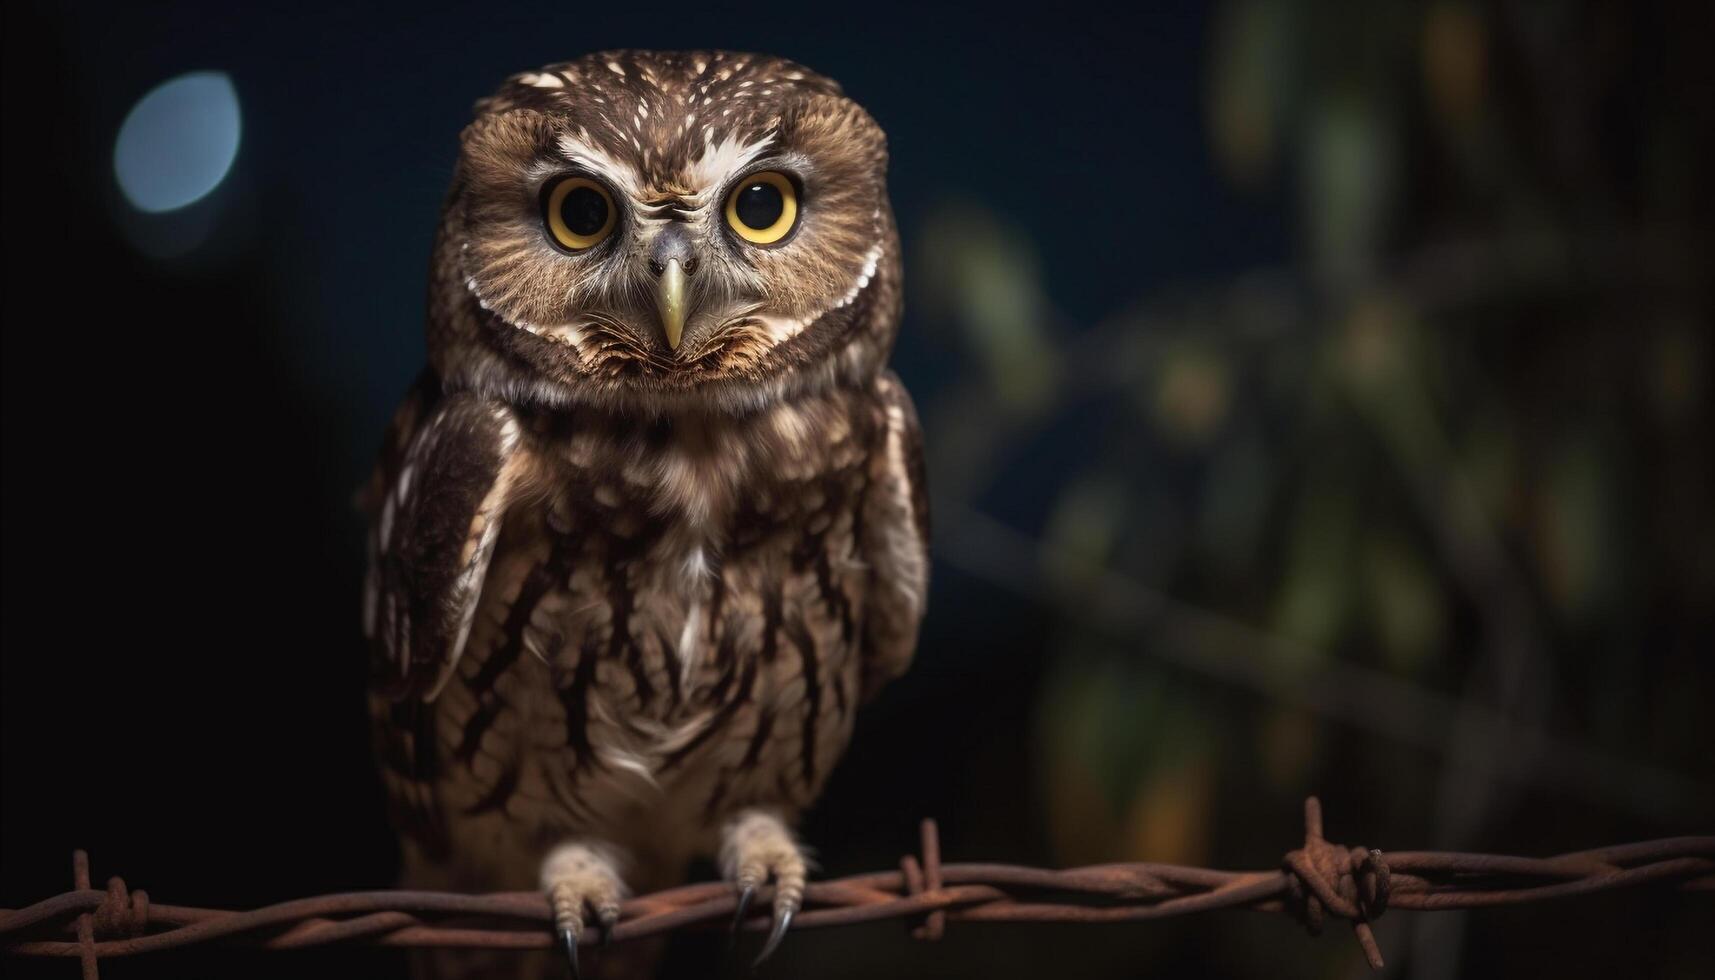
670	302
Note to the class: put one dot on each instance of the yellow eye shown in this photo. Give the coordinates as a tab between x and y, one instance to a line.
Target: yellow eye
762	208
578	212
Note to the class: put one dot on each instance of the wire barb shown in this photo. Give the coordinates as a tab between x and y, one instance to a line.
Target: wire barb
1313	883
1352	883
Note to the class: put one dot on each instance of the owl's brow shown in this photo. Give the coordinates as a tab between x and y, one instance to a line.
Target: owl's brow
720	162
598	161
665	207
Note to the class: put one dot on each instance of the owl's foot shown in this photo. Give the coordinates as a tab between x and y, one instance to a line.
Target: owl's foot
577	877
755	846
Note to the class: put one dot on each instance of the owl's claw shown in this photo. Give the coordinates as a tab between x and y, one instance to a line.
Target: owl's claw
579	877
569	940
738	915
758	847
782	921
604	925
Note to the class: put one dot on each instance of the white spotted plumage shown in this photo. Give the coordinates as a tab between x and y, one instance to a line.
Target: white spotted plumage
630	579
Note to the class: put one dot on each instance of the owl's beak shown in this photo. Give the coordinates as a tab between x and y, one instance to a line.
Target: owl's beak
670	302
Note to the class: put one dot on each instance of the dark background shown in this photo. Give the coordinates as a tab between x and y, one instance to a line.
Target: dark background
1317	394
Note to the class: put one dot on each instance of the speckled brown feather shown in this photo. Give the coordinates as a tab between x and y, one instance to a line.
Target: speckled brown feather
620	591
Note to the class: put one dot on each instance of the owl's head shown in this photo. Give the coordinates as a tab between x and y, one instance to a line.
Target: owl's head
652	231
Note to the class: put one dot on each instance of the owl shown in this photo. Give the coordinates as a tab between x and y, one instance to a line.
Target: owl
652	525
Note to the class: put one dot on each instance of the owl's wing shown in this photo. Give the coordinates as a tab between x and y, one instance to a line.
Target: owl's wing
895	542
436	503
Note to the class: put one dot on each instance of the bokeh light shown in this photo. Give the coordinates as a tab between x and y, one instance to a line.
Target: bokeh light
178	142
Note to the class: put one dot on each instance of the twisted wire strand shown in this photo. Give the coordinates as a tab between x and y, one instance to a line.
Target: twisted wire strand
1316	882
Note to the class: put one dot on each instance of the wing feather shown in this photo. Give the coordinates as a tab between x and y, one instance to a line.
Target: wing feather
447	473
896	540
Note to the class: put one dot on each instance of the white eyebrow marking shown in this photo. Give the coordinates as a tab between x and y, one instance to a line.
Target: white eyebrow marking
721	160
593	158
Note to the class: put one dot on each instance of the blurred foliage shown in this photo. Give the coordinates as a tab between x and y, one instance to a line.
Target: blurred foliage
1460	441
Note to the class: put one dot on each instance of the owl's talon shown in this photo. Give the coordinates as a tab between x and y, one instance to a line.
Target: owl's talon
782	921
569	940
605	928
758	847
579	878
743	909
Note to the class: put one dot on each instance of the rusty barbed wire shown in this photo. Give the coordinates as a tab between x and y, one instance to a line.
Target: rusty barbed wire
1315	882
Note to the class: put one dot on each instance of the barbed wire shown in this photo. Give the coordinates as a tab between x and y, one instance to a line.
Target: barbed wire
1316	882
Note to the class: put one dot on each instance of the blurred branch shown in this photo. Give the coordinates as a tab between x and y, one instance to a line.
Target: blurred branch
1215	646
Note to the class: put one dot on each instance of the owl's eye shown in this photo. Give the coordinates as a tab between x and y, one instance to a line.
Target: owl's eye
762	208
578	212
